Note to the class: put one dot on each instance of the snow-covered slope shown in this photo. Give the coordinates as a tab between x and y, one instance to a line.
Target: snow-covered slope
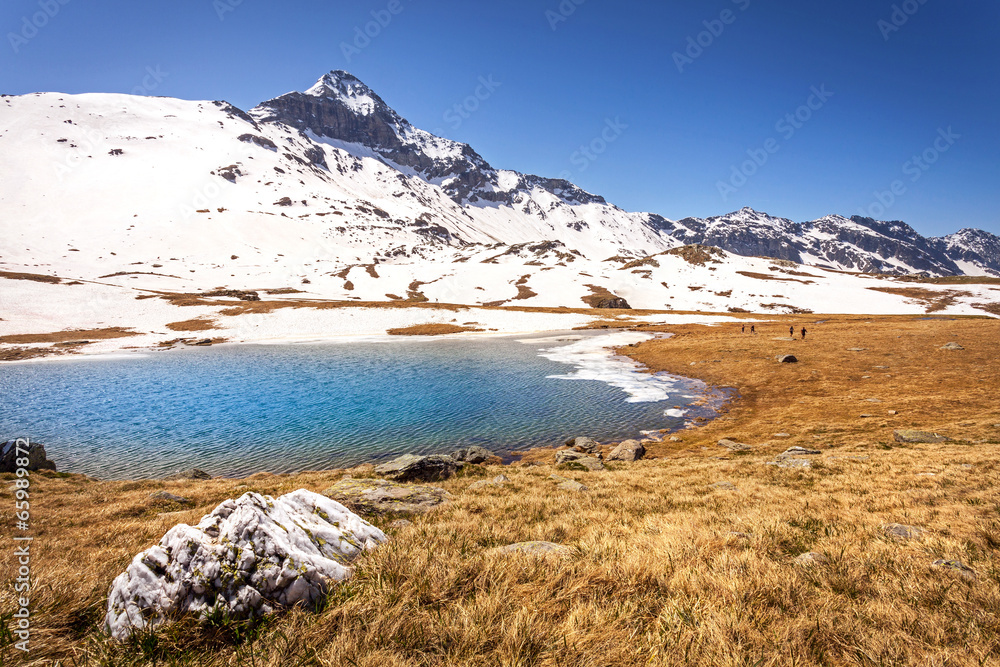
331	192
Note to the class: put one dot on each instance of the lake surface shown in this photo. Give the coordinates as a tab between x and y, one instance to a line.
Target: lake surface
235	410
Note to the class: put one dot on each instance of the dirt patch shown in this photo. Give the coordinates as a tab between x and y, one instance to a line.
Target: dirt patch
523	291
430	330
34	277
768	276
66	336
197	324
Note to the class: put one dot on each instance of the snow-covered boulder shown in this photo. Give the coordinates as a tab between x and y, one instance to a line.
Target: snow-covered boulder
247	557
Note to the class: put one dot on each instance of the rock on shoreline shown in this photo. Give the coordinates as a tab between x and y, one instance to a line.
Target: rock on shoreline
246	558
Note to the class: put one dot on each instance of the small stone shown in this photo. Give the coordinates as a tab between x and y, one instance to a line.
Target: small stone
952	347
474	454
811	559
782	435
892	413
787	359
799	451
165	497
723	486
629	450
674	438
538	549
899	531
586	445
399	524
873	400
499	480
958	566
865	415
732	535
568	484
190	473
918	437
734	446
856	349
790	463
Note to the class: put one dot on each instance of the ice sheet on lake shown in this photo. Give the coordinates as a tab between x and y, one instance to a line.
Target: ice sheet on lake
594	361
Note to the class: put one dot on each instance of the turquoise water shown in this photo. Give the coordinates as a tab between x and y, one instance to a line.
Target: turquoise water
235	410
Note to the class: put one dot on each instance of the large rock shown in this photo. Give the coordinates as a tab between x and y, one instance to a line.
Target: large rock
629	450
381	497
414	468
908	436
499	480
952	347
787	359
34	452
244	559
798	451
900	531
474	454
567	484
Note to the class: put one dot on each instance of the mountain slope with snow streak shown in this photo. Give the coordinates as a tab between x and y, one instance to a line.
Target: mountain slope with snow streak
331	193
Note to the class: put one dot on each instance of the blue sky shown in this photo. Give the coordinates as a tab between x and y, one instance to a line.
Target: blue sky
733	120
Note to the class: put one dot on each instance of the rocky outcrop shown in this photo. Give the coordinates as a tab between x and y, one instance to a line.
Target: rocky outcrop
374	497
25	454
248	557
414	468
578	460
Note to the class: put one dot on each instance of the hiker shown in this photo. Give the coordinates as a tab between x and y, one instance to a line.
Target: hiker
791	332
753	329
743	329
803	333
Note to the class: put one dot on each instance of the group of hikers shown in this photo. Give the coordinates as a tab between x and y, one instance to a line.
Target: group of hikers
791	330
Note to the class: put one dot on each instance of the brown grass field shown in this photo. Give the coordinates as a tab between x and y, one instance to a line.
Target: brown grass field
665	569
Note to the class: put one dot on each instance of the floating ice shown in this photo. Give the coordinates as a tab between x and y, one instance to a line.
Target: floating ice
593	361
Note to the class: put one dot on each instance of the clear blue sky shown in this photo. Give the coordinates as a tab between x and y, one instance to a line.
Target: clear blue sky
893	90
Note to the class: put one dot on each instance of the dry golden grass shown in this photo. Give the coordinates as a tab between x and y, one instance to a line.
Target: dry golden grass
430	330
36	277
197	324
65	336
658	575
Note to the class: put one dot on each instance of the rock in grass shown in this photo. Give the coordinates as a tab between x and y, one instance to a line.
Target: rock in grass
787	359
190	473
244	559
33	451
536	549
952	347
798	451
899	531
790	463
957	566
499	480
373	497
629	450
567	484
586	445
734	446
474	454
578	460
414	468
399	524
918	437
166	497
811	559
723	486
